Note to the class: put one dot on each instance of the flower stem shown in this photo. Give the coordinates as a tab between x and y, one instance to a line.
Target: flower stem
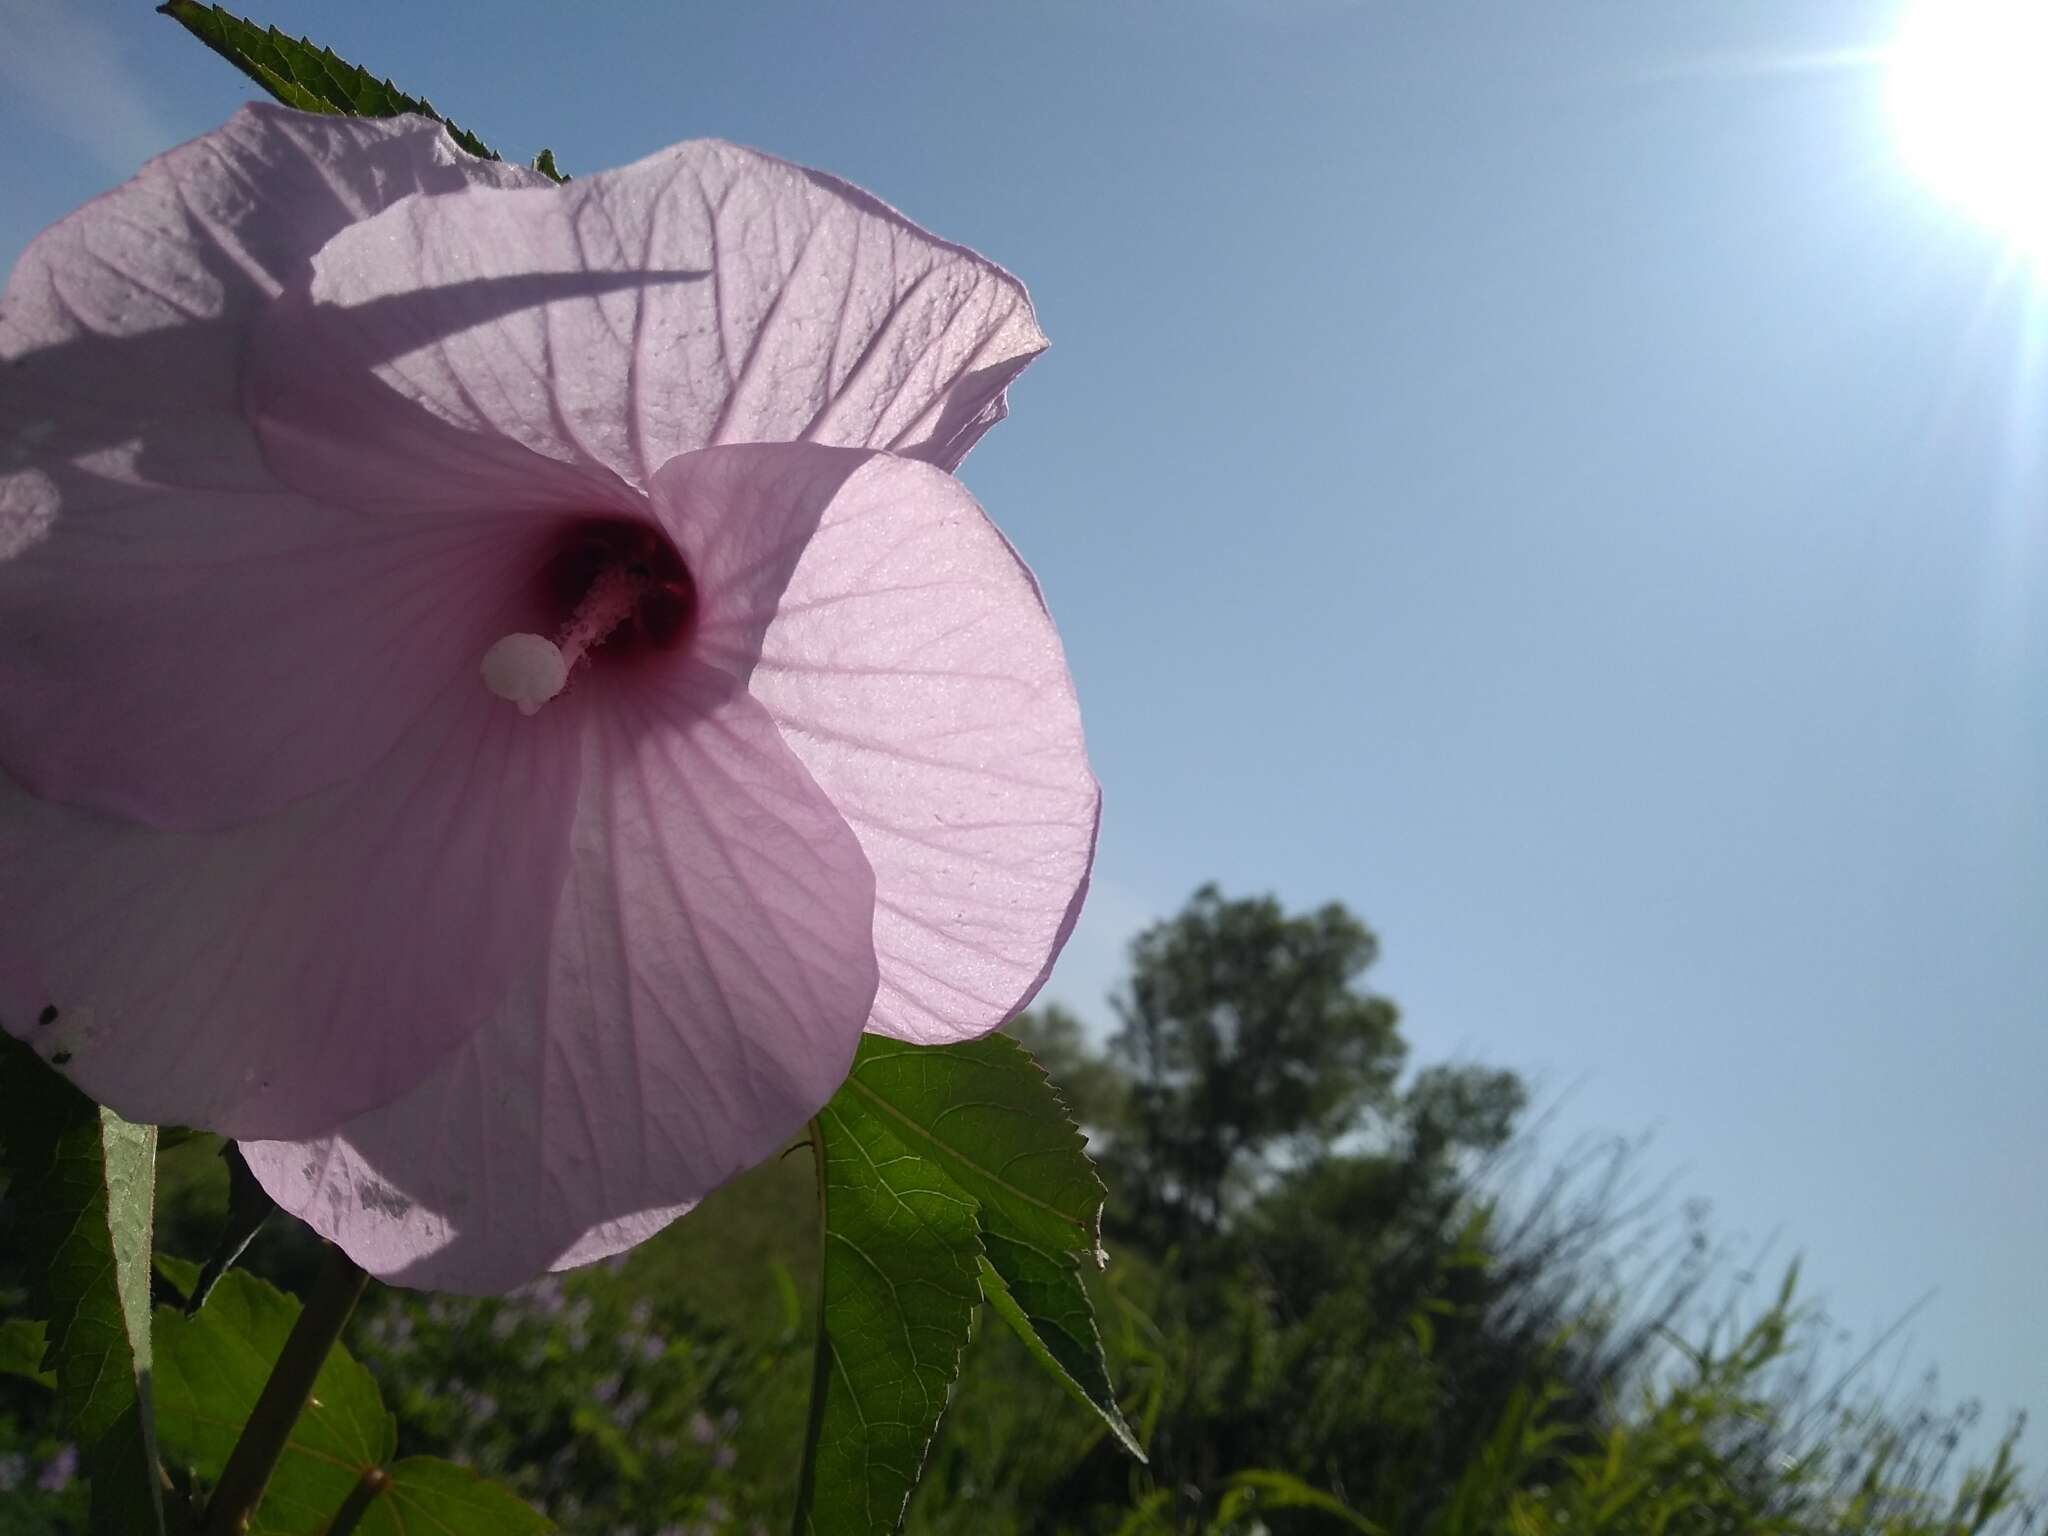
255	1455
821	1360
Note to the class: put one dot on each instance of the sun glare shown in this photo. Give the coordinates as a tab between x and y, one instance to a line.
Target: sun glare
1969	100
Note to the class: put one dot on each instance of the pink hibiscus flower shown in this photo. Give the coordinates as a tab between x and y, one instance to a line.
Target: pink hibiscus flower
499	687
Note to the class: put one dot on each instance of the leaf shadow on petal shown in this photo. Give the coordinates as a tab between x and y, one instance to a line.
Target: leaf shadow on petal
340	430
97	392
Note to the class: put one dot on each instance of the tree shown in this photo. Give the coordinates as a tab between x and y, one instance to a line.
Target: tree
1246	1036
1329	1295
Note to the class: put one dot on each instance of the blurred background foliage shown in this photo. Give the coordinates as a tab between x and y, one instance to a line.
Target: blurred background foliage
1346	1295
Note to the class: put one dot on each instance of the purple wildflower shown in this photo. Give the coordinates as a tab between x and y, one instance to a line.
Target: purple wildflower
57	1474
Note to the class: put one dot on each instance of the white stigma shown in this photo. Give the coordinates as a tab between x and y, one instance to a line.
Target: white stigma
531	669
527	669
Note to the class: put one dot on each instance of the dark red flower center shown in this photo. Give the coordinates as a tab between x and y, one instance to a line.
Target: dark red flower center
653	596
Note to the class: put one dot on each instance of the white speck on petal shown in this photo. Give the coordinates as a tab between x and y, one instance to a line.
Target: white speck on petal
527	669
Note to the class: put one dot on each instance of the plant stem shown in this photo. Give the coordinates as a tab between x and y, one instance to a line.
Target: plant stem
373	1482
255	1455
821	1361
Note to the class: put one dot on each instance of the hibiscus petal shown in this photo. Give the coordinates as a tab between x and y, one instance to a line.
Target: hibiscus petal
701	997
725	297
907	656
158	587
617	1235
205	672
277	978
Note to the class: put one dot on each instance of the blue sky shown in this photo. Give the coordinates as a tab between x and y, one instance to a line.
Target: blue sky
1543	475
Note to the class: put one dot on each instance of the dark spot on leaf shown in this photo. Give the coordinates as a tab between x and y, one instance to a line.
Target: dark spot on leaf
60	1058
48	1015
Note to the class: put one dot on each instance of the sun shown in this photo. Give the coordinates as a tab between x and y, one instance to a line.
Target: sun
1969	101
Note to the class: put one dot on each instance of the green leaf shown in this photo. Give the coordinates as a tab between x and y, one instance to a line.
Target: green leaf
901	1247
1087	1379
211	1367
21	1351
944	1175
301	74
984	1112
181	1275
83	1185
1260	1488
427	1497
1150	1516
